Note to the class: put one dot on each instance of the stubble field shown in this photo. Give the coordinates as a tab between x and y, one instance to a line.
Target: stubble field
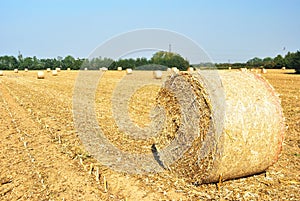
42	157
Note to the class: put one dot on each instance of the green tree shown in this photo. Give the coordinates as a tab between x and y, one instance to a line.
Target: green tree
279	61
255	62
68	62
293	60
170	59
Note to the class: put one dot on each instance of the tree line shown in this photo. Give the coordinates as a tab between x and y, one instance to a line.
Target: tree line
160	60
291	61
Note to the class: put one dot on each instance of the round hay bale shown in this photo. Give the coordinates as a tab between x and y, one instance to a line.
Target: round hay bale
85	68
263	70
16	70
58	69
54	73
40	75
190	69
104	69
1	73
157	74
169	69
175	70
26	69
119	68
243	69
243	140
229	68
129	71
68	69
283	68
48	70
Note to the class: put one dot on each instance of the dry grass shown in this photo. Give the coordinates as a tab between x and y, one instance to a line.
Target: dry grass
61	165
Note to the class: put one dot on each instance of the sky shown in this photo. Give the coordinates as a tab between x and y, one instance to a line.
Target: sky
228	31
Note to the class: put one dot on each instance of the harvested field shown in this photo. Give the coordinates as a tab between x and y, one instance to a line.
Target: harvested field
42	157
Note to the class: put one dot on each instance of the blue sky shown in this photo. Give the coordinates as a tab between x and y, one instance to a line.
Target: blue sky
226	30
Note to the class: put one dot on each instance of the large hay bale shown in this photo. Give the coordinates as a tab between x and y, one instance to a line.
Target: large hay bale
26	69
243	140
119	68
1	73
16	70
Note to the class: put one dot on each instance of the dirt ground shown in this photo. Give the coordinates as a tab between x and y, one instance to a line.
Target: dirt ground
42	157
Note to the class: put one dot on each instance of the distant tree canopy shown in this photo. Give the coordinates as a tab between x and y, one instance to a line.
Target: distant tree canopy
170	59
160	60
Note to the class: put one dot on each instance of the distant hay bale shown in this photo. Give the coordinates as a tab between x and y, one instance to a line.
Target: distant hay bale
229	68
16	70
58	69
104	69
243	69
68	69
190	69
40	75
48	70
283	68
26	69
244	140
263	70
128	71
119	68
1	73
175	70
157	74
169	69
85	68
54	73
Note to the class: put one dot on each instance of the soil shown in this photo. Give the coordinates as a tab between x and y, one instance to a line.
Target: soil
42	157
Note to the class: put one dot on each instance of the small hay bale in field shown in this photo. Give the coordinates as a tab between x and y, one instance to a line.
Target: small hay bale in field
104	69
68	69
263	70
1	73
229	68
26	69
85	68
243	140
128	71
16	70
157	74
283	68
243	69
40	75
54	73
175	70
169	69
48	70
190	69
58	69
119	68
